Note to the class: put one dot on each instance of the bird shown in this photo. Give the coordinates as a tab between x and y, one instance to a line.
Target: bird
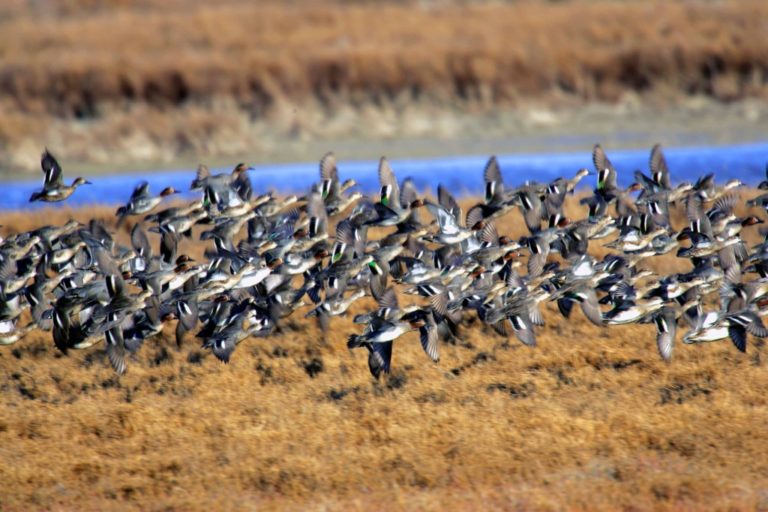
54	189
141	201
271	258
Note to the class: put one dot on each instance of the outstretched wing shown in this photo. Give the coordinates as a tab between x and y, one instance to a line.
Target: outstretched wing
659	169
390	191
51	169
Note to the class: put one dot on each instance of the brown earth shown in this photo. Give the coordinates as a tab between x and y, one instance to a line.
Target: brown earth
589	419
147	80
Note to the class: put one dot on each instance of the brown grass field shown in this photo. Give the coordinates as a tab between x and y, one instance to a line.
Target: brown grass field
149	80
590	419
70	60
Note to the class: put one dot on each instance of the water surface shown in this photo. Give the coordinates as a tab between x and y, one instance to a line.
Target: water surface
461	174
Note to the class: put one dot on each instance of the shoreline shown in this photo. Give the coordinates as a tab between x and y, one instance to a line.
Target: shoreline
410	131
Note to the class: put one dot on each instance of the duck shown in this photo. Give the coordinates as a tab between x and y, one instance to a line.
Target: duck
759	201
629	312
607	187
633	240
494	184
224	342
383	331
705	248
77	280
54	189
380	335
395	207
539	245
450	231
710	326
141	201
181	224
223	190
673	286
335	304
498	202
167	214
517	314
720	325
332	189
586	297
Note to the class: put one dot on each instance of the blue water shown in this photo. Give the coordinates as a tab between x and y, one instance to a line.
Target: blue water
461	174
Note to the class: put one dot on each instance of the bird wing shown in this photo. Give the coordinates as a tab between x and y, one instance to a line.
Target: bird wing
590	307
390	192
605	171
739	337
330	174
666	328
141	191
532	207
428	338
494	182
52	171
658	166
445	220
447	201
116	348
379	358
140	242
523	329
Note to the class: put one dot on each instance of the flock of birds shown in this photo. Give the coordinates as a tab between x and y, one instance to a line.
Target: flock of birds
271	257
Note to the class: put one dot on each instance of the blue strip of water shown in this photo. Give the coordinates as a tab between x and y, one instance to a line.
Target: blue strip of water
461	174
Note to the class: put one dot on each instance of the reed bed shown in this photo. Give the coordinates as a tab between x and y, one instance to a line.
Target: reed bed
71	61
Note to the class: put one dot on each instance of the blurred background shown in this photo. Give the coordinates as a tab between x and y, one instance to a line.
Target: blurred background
116	85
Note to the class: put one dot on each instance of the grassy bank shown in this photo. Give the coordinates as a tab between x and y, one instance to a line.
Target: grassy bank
148	80
591	418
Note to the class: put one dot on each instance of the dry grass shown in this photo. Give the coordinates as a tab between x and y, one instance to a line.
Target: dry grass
590	419
180	77
77	61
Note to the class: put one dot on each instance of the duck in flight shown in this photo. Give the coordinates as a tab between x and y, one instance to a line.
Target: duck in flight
54	189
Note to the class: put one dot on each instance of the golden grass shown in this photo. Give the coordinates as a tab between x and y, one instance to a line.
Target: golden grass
73	63
589	419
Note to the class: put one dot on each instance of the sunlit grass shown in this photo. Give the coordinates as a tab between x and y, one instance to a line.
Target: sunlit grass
589	419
